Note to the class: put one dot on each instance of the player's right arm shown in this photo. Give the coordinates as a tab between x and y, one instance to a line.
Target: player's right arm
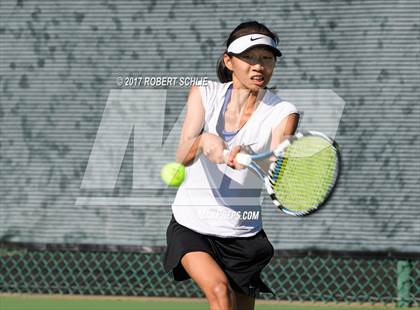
193	139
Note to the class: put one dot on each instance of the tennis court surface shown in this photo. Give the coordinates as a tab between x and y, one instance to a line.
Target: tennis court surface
67	302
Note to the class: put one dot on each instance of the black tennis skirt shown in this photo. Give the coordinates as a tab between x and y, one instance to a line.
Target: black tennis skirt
242	259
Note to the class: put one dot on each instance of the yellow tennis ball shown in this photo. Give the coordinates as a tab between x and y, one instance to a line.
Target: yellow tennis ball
173	174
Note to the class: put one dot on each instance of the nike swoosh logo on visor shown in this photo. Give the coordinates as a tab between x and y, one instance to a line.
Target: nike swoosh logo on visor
253	39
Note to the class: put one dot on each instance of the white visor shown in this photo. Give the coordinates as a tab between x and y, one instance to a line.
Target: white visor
245	42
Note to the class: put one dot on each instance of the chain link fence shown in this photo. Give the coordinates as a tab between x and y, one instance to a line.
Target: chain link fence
324	278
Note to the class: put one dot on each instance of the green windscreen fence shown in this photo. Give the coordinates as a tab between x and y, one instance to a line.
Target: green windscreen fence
83	138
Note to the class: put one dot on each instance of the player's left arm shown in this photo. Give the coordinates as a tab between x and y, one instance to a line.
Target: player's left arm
286	128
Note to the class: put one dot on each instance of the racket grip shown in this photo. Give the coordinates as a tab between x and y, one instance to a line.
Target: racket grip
242	158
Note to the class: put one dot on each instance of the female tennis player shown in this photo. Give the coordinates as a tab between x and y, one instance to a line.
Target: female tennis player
215	235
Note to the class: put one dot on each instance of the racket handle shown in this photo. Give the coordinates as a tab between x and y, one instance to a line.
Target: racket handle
242	158
225	154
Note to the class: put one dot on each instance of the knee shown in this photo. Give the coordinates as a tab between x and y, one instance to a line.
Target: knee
221	290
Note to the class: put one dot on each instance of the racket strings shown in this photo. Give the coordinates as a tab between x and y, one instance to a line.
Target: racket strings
277	170
304	177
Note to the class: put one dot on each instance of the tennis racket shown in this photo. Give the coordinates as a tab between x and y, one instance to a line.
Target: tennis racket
303	175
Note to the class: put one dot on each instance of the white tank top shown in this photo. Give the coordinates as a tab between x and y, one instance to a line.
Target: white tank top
215	199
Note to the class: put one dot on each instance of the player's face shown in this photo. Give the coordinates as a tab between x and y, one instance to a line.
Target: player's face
253	68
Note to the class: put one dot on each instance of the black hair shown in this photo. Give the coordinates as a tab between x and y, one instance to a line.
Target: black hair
243	29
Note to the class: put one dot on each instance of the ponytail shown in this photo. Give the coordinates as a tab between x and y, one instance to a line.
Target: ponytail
223	73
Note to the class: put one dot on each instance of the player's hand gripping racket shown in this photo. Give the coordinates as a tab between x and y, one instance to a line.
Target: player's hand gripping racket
303	175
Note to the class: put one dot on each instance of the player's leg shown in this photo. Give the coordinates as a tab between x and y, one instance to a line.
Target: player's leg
205	271
243	302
